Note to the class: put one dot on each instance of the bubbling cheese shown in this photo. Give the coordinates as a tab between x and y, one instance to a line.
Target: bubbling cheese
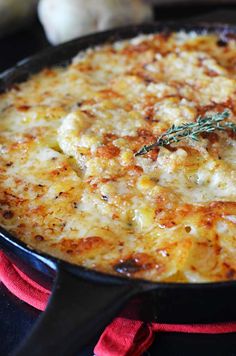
71	186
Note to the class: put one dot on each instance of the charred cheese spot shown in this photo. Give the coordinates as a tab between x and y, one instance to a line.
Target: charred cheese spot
70	184
108	151
79	246
7	214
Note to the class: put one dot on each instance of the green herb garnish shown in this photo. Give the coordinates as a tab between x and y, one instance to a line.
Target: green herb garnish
191	130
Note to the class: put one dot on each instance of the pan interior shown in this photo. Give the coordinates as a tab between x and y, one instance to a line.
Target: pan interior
72	186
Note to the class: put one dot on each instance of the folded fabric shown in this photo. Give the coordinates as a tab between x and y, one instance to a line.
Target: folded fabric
123	337
22	286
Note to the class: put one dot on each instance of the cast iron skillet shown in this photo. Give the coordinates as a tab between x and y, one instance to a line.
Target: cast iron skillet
84	301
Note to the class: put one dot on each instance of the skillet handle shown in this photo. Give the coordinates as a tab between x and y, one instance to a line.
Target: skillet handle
77	311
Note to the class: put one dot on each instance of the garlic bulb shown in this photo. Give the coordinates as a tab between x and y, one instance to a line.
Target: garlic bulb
14	13
67	19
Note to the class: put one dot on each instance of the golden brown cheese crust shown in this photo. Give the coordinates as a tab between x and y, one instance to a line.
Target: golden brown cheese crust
70	184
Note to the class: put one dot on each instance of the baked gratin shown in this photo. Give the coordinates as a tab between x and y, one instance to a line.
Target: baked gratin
72	186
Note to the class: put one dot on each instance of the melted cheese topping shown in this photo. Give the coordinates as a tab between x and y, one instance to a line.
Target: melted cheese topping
70	184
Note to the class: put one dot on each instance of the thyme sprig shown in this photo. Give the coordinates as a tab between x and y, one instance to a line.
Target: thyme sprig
191	130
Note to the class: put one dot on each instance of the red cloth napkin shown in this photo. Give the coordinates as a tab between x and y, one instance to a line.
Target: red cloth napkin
122	337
